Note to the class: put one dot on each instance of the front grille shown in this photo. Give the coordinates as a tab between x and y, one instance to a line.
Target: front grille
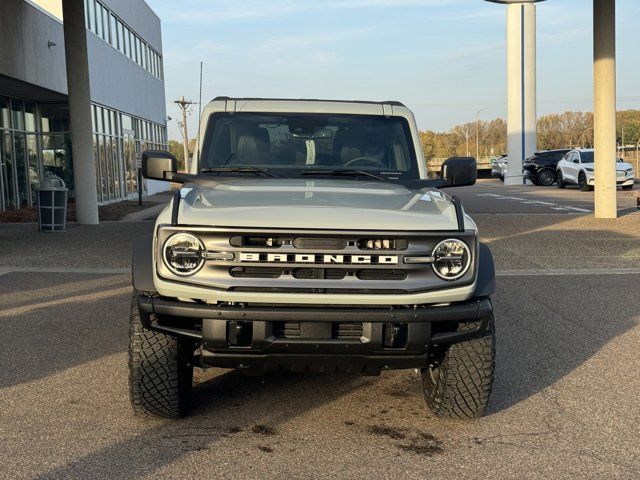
324	262
339	330
286	329
346	331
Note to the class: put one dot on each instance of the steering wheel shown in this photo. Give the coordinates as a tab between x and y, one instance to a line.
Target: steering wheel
369	161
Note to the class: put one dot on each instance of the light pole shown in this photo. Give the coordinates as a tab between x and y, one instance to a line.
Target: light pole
583	134
478	133
521	84
466	136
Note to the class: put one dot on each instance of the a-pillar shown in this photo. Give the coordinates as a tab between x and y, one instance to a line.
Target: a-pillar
84	169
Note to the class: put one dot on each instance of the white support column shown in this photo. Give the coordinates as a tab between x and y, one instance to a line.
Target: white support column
604	103
84	168
521	88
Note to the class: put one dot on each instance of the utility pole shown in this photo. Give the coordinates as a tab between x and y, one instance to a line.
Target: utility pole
184	106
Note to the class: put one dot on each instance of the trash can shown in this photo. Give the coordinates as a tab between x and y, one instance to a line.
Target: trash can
52	204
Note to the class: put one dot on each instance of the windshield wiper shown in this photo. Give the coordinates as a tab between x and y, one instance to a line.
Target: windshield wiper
253	170
350	172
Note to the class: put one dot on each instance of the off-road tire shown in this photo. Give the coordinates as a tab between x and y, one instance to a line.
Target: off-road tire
582	183
627	187
561	183
160	370
459	386
546	178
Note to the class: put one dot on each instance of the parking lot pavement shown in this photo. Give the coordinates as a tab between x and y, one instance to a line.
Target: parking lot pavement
491	196
564	403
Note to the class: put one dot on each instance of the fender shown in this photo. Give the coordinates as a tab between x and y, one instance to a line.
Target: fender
142	264
486	281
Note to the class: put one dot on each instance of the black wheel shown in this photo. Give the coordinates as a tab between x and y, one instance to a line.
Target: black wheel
546	178
627	187
160	370
560	180
459	385
582	183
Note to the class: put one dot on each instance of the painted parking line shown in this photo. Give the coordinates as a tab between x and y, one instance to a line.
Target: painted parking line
99	271
541	203
568	272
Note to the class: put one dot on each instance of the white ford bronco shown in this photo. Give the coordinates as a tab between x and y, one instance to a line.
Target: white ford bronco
307	237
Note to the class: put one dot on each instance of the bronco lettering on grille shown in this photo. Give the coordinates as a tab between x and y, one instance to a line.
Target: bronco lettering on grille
317	258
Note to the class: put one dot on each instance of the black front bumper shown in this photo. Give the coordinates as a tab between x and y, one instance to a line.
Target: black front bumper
252	337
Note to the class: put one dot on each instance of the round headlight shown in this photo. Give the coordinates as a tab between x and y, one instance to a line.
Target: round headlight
452	259
183	254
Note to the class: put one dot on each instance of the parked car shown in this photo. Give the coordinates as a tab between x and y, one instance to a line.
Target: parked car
541	167
577	167
499	166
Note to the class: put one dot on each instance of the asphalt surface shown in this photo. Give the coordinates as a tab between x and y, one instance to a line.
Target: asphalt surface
564	403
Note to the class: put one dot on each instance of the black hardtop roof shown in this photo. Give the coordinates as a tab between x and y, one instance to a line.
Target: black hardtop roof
239	99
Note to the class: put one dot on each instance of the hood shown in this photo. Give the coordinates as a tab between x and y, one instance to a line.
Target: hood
315	204
620	166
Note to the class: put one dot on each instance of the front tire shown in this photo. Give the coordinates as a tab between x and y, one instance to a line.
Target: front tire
627	187
582	183
160	370
460	384
546	178
560	179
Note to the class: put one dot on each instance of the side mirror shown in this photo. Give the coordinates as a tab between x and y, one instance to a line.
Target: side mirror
459	171
158	165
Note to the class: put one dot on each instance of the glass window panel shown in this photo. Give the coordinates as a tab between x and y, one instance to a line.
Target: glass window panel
127	123
99	123
96	158
145	55
4	112
87	19
138	52
127	41
132	41
98	29
120	36
20	159
17	117
33	166
104	180
54	117
7	165
113	31
56	156
30	116
92	15
114	123
105	24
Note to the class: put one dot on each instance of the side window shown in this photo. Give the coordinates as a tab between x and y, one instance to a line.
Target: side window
575	157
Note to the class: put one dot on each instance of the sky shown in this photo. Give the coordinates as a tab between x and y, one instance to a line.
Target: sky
444	59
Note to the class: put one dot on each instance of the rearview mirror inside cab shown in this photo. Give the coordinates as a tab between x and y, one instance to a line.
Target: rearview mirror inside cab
459	171
158	165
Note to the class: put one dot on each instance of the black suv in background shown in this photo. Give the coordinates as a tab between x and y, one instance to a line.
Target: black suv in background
541	167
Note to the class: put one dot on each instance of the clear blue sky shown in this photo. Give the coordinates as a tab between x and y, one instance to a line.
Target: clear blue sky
445	59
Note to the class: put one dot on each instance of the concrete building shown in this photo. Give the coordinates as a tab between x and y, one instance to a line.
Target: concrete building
123	46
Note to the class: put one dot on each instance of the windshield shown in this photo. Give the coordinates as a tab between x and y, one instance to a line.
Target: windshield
291	145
